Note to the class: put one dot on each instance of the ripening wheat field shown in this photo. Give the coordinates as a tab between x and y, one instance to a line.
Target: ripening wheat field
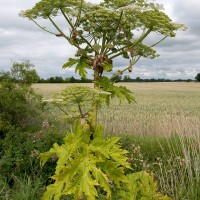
160	109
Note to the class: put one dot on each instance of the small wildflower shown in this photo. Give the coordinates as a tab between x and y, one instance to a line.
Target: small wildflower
45	124
35	153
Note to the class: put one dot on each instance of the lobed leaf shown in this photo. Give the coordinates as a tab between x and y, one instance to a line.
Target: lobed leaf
83	166
70	63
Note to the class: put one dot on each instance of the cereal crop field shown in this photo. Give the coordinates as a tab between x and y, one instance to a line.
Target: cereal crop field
160	109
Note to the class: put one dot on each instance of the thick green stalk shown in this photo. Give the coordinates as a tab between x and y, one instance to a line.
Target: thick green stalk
95	102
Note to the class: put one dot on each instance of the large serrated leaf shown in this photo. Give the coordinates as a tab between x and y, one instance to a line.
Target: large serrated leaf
81	67
70	63
116	91
83	166
113	171
141	186
49	154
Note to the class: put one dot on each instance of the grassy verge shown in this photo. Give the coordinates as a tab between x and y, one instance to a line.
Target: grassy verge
174	160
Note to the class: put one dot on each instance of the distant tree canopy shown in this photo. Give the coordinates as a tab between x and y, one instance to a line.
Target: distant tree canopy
59	79
21	72
197	77
127	78
118	78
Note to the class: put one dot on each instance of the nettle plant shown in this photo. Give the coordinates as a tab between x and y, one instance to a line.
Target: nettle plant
100	32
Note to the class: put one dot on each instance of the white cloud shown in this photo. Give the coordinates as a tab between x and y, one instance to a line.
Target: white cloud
21	39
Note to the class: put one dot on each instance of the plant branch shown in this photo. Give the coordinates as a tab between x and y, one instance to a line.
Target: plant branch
43	28
58	28
111	38
79	14
133	45
159	41
69	22
80	110
73	27
127	68
61	32
103	42
93	36
120	18
62	109
137	59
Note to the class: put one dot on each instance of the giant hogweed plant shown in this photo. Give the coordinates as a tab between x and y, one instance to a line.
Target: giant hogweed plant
100	33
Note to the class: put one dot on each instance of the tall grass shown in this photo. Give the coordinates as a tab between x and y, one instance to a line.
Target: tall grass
23	188
164	126
174	159
157	112
180	176
161	109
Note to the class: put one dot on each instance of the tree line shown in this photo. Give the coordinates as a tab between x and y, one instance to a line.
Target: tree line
59	79
25	69
72	79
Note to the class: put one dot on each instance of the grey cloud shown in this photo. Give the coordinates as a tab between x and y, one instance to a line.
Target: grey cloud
22	39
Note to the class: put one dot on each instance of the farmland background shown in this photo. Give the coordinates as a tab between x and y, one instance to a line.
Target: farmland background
160	131
160	109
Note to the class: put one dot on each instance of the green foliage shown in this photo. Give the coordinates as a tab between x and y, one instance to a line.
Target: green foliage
20	149
120	92
15	155
20	72
19	106
141	186
173	159
150	147
24	73
23	188
107	66
80	67
84	165
76	102
4	75
197	77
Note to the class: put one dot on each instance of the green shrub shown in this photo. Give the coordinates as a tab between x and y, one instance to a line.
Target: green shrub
20	106
19	152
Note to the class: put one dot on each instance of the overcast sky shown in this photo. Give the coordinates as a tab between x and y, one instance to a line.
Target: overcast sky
22	39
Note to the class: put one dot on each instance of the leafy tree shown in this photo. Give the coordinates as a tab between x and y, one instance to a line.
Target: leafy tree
4	75
126	78
197	77
18	101
138	79
72	80
23	72
100	32
57	79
